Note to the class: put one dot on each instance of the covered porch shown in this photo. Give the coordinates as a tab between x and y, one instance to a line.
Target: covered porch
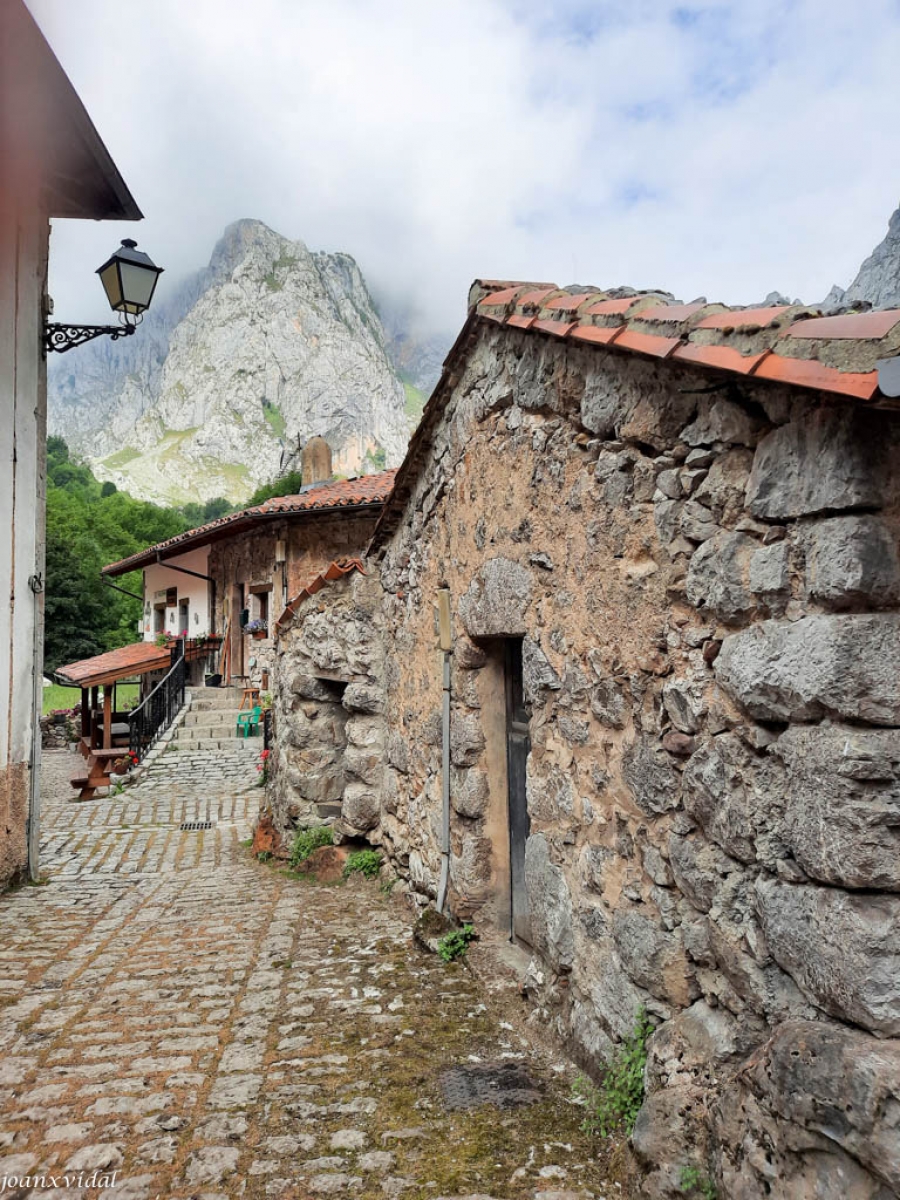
105	732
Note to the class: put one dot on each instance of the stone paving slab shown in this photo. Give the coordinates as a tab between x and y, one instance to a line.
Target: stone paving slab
206	1025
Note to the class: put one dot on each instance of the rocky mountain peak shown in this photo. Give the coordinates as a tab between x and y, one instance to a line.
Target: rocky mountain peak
877	283
269	345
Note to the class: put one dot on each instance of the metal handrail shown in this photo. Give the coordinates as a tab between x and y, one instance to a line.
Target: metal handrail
157	711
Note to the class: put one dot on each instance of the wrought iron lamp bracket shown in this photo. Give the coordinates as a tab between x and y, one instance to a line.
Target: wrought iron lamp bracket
63	337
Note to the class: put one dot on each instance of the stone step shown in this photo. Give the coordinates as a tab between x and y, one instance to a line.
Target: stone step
211	716
232	744
204	730
213	698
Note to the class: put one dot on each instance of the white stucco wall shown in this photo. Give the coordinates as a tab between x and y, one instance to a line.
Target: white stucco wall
24	235
160	577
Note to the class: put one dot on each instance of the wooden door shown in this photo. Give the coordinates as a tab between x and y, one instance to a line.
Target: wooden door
236	664
518	744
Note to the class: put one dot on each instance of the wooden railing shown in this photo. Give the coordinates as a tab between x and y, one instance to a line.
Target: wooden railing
156	713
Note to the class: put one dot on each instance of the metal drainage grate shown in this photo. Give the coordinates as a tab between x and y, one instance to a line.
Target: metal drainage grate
193	826
504	1084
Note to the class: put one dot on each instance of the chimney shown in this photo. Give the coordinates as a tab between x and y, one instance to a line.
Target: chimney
315	464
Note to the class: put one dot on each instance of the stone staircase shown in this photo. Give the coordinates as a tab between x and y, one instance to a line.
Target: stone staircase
205	747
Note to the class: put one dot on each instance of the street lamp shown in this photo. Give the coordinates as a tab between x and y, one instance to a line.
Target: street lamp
129	278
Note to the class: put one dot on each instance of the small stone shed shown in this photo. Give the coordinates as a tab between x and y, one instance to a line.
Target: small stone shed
666	538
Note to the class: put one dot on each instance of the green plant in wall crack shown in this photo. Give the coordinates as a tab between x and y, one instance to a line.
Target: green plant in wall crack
614	1105
455	944
363	862
694	1182
308	840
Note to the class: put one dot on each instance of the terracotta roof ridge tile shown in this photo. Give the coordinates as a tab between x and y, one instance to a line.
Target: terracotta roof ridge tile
714	335
358	491
335	570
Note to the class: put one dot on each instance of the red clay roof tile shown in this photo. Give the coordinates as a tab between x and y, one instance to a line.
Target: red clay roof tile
868	325
335	570
743	318
612	308
534	298
558	328
646	343
568	303
364	491
136	659
809	373
603	335
646	309
725	358
495	298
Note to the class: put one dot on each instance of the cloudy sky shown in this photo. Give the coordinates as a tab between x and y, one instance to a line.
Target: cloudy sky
718	148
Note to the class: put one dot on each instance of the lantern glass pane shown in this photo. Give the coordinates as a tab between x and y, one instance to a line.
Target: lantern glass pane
137	284
109	277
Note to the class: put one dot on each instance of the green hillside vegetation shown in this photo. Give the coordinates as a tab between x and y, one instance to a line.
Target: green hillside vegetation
415	402
90	524
285	485
275	417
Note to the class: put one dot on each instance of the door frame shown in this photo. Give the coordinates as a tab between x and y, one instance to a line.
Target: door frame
518	746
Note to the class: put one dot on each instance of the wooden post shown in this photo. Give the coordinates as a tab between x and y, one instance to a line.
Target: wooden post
85	714
95	700
107	717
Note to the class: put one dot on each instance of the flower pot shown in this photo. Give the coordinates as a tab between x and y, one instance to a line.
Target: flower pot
259	635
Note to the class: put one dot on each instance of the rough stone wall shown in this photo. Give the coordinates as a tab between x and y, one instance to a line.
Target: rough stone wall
249	558
328	702
708	589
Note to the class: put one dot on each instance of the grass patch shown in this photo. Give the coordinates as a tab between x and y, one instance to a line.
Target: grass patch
308	840
455	944
614	1105
415	402
55	696
284	262
363	862
121	458
693	1182
275	417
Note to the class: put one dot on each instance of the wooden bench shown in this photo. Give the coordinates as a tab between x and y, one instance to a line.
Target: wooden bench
99	765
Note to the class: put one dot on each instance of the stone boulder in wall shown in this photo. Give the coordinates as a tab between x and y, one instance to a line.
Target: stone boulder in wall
497	601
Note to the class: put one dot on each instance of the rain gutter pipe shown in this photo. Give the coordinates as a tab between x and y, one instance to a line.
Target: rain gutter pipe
445	642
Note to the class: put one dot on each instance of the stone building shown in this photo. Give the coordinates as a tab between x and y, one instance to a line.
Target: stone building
228	581
54	165
622	678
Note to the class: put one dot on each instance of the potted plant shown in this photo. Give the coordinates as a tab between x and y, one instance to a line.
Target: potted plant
257	629
126	763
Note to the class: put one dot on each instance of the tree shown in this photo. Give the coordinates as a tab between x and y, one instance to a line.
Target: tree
286	485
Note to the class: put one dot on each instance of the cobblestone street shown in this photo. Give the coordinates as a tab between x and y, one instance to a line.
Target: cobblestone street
203	1024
